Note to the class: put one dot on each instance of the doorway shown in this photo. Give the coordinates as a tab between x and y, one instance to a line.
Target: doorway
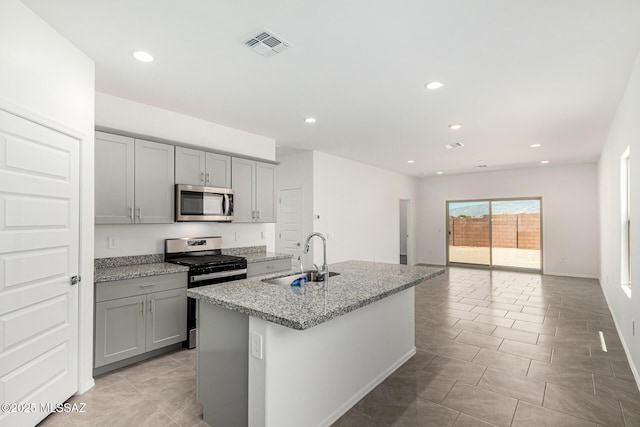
495	233
404	231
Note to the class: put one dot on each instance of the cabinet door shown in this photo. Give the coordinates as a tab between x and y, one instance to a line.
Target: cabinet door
265	192
154	177
242	181
218	170
167	318
190	166
120	329
114	179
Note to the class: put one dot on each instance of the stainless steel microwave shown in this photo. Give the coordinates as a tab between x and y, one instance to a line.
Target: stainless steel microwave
197	203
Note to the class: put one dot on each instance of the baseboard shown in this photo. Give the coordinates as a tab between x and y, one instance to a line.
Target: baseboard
332	418
634	371
576	275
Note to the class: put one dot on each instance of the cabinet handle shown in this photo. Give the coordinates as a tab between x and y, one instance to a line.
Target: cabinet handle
131	213
147	286
150	306
207	177
253	214
258	214
202	176
139	213
142	307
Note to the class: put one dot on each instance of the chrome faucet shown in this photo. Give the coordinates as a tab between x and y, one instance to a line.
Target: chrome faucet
324	272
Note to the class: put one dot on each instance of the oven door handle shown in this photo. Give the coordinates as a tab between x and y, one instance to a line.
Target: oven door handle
219	275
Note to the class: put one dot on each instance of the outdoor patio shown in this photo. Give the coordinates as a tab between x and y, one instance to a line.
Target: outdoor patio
506	257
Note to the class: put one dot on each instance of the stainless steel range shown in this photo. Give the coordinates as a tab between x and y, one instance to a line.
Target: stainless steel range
207	266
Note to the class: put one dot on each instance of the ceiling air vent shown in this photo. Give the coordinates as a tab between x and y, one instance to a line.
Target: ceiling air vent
266	44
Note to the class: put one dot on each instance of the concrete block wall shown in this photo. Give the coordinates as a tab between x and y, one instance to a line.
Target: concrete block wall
520	231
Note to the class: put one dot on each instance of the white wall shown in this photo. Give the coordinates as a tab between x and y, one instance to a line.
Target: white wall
296	171
569	212
123	114
44	74
359	210
624	132
129	116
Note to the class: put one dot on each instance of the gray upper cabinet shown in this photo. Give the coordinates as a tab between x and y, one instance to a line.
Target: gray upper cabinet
134	181
190	166
253	191
114	175
154	190
265	192
195	167
218	170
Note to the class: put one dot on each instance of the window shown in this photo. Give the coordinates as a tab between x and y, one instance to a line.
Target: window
625	210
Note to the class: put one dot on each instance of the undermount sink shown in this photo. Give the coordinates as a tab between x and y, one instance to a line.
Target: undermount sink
308	276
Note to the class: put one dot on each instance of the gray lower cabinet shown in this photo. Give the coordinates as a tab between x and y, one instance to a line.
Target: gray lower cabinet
136	316
269	266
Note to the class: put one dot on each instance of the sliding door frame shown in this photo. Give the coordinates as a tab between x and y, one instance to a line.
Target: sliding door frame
491	266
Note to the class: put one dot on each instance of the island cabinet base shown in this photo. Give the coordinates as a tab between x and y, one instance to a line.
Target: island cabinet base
298	378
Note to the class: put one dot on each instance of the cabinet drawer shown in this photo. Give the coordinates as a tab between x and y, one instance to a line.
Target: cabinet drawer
139	286
265	267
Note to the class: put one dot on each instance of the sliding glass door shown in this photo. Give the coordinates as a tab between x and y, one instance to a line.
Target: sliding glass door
499	233
469	232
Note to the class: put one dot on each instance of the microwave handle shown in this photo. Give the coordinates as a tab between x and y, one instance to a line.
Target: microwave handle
225	205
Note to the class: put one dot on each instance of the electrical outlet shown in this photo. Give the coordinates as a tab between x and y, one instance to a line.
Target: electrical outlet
262	235
256	345
112	243
237	236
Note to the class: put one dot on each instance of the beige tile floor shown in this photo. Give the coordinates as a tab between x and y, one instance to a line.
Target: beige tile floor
494	349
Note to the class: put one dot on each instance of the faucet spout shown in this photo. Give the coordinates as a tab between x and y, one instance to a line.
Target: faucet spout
325	268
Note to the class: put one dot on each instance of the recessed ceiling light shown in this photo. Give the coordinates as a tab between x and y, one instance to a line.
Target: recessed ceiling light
544	162
455	126
142	56
439	173
310	120
434	85
535	145
411	161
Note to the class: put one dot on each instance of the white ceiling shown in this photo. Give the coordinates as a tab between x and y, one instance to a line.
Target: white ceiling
516	72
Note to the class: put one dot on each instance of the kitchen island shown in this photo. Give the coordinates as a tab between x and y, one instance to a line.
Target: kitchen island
274	355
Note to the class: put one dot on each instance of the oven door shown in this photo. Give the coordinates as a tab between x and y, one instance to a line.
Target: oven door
197	203
197	280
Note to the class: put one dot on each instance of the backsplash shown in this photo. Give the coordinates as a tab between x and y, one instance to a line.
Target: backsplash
141	239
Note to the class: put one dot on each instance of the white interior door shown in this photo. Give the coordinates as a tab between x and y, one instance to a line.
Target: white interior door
39	245
291	223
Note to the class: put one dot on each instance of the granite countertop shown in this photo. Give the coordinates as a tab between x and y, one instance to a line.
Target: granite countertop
123	272
131	267
264	256
359	283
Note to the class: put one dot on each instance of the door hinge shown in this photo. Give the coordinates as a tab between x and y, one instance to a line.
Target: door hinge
75	280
